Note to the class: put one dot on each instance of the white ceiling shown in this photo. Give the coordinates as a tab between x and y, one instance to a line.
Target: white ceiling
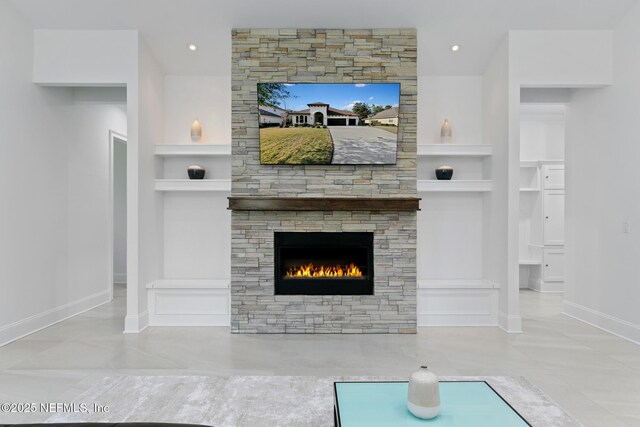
476	25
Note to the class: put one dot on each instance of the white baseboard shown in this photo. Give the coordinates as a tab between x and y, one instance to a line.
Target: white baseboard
120	278
190	320
136	324
546	287
510	323
37	322
627	330
545	292
534	284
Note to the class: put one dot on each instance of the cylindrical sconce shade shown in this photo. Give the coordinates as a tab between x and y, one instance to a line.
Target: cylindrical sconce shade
196	131
445	132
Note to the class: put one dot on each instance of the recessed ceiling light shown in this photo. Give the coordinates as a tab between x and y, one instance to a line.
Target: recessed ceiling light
455	48
192	47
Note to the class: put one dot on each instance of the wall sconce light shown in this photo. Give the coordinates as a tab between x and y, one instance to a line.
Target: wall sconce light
445	132
196	131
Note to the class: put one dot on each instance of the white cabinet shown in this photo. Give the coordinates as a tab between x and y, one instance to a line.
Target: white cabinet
553	177
553	211
542	225
553	265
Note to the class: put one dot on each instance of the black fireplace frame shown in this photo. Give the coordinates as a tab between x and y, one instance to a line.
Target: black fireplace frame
322	286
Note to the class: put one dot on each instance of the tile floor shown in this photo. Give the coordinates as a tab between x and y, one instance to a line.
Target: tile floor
592	374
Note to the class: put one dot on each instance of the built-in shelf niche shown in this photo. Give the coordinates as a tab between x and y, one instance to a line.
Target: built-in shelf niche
172	162
530	254
470	167
451	287
194	284
529	177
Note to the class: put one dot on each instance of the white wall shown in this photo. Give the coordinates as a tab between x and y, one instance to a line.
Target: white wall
450	236
149	219
496	108
542	132
561	58
84	57
206	98
457	98
53	149
545	95
197	232
33	221
602	178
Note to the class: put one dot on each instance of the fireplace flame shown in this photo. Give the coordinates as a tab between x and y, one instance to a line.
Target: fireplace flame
311	270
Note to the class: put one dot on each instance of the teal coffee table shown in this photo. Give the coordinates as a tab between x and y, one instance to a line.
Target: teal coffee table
462	404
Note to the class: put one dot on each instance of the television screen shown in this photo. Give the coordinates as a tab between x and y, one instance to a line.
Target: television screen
328	124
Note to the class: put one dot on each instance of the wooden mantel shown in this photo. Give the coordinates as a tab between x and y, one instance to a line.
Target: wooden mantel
257	203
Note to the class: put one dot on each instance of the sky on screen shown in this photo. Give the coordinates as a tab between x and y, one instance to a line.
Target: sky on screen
342	96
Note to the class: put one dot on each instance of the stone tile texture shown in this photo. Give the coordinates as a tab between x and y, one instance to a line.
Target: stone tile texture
322	56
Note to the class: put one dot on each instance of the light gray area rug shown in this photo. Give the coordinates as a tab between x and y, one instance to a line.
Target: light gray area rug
264	401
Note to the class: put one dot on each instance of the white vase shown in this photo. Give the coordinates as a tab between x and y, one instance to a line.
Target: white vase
424	394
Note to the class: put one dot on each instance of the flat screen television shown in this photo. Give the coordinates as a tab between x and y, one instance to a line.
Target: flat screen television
328	124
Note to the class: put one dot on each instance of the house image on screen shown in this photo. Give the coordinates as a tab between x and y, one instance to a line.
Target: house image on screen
324	114
385	117
270	115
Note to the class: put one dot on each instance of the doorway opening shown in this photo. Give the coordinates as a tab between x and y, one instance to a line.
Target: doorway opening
118	229
542	192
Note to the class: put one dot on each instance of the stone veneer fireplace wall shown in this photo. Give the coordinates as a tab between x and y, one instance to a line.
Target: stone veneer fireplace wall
322	56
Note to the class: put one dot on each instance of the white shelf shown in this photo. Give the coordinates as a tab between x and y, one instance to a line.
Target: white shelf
193	185
456	284
186	150
530	261
529	164
536	163
190	284
454	150
529	190
430	185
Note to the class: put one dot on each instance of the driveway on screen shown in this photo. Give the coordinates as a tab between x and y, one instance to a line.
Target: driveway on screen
362	145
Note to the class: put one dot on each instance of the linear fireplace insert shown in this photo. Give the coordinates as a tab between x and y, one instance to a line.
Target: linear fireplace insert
323	263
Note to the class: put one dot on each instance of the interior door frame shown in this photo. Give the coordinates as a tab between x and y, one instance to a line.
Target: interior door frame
113	136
